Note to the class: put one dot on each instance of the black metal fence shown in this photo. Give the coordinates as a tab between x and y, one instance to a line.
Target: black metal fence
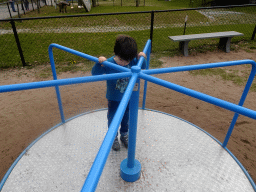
25	40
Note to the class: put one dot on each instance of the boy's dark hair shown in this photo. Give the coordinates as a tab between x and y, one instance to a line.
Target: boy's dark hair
125	47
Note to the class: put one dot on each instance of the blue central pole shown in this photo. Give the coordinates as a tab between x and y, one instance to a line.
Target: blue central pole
134	104
130	168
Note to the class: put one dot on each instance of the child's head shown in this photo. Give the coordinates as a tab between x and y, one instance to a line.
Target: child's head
125	47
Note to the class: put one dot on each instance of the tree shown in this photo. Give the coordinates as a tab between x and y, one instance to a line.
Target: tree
94	3
137	3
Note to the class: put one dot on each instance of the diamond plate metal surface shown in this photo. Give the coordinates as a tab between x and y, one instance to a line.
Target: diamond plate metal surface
174	155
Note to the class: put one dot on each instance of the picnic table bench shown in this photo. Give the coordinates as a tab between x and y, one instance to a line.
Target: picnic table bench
224	43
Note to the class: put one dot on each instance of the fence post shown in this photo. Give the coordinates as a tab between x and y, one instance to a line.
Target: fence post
152	28
18	43
38	5
22	7
253	34
32	2
18	9
9	9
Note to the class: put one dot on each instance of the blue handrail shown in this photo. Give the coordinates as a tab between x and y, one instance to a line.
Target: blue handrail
61	82
135	75
146	82
207	98
204	97
83	55
97	168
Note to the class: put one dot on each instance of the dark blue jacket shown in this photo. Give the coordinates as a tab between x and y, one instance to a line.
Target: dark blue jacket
115	88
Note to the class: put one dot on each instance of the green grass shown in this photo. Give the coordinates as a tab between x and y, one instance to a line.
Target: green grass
107	7
162	45
35	45
142	19
249	9
231	75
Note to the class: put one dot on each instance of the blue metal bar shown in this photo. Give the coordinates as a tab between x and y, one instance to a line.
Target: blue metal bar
241	102
197	67
69	81
54	73
60	104
134	102
213	65
130	168
134	105
146	82
101	158
201	96
83	55
145	50
56	87
89	57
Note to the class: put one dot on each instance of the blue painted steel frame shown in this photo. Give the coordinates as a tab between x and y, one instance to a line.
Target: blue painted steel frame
135	74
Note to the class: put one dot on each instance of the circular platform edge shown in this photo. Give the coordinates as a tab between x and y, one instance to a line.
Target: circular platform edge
48	131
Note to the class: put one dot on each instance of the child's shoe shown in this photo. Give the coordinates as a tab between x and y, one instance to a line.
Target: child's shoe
124	139
116	145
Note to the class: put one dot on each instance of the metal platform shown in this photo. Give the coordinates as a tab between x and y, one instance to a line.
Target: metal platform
175	156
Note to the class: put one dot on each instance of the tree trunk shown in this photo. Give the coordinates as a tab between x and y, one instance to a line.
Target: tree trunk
94	3
137	3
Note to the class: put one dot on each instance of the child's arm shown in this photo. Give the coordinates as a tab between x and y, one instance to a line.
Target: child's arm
99	69
141	54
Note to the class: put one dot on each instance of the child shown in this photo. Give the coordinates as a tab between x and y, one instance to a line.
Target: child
26	5
125	50
12	5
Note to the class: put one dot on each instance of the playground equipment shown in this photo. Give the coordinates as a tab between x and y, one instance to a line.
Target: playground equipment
86	4
178	158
